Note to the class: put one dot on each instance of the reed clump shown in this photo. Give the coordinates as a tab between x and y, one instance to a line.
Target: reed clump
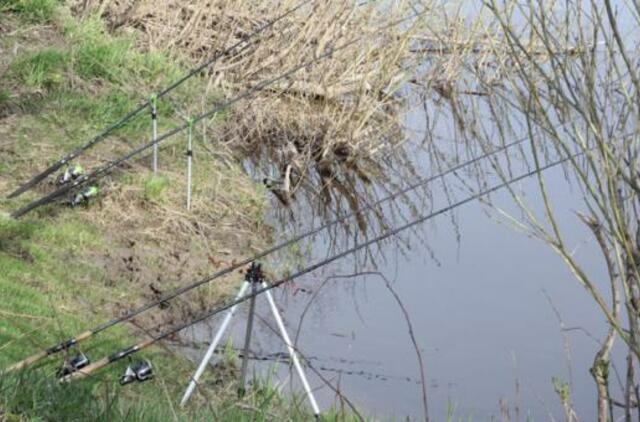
328	135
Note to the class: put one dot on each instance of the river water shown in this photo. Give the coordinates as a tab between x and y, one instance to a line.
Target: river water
483	300
497	315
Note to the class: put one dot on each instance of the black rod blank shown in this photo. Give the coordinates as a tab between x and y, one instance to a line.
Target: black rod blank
208	314
102	135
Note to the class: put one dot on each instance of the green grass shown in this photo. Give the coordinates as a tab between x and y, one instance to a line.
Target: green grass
32	11
52	282
90	114
42	69
5	96
12	230
155	188
95	54
39	281
36	395
41	284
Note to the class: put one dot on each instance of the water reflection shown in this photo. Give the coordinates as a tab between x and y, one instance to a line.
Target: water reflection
480	310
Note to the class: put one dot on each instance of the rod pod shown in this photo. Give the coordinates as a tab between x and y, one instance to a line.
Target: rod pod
255	278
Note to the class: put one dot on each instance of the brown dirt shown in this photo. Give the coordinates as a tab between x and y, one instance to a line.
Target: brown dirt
152	245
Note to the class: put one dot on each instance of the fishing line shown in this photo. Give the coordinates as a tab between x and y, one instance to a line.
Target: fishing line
101	136
180	291
145	343
102	171
284	358
86	334
64	345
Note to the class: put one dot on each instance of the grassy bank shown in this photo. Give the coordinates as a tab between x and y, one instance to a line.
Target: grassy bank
64	270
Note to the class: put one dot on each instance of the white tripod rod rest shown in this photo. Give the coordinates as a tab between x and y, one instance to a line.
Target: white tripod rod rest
212	347
291	350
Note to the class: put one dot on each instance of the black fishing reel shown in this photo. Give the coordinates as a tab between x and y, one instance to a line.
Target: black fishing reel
138	371
73	364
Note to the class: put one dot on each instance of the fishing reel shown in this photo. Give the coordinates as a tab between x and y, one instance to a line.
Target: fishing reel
138	371
83	196
70	365
70	174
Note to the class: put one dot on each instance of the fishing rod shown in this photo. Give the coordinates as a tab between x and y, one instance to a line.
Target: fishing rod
103	170
101	136
64	345
89	369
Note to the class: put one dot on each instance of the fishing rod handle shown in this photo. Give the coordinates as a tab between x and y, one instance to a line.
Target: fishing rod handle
64	345
27	362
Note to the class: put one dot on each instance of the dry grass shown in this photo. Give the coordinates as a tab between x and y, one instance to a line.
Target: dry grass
148	242
333	130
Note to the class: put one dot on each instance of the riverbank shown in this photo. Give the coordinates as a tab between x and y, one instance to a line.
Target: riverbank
65	270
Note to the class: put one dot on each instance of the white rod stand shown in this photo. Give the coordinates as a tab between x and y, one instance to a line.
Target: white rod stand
285	337
189	164
292	351
212	347
154	119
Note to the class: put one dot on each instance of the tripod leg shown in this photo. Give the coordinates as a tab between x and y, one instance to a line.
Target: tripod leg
247	342
292	352
212	347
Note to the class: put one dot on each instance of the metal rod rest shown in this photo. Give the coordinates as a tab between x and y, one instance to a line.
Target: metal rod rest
292	351
189	164
212	347
247	342
154	118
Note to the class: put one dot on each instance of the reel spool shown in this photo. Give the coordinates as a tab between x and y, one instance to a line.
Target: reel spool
138	371
70	365
69	175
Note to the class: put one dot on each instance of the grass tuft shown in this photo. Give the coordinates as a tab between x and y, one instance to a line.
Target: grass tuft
32	11
12	231
43	69
96	54
155	188
5	96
